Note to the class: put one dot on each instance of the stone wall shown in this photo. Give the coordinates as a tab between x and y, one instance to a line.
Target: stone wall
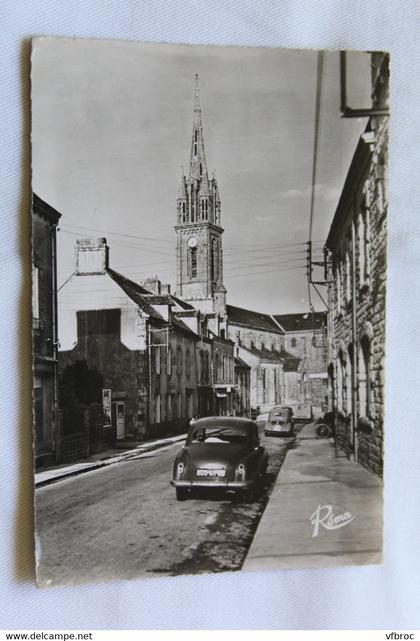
357	293
260	339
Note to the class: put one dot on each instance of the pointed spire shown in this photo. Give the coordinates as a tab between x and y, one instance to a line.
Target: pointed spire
197	95
182	191
198	165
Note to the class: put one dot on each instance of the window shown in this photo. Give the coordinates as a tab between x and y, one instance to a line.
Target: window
349	380
264	382
348	277
188	363
216	367
304	343
340	383
169	407
363	246
169	362
157	360
213	260
192	262
179	405
179	361
293	342
339	287
363	376
313	341
275	386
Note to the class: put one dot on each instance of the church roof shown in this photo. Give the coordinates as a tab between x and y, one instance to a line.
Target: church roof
290	362
301	322
254	320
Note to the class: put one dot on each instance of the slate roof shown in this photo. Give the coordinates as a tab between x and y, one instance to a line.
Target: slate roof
137	293
45	210
290	362
182	303
179	324
240	363
254	320
144	299
301	322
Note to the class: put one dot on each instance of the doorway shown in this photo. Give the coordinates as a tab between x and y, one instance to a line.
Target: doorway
120	419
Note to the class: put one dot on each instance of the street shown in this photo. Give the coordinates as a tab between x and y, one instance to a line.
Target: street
123	521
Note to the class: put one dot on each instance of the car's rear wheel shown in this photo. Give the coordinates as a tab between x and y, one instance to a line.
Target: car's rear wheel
181	493
323	430
247	496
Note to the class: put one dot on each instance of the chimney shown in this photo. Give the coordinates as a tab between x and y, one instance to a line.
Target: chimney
165	288
152	284
91	256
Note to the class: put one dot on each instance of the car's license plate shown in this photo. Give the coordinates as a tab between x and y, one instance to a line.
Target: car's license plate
220	473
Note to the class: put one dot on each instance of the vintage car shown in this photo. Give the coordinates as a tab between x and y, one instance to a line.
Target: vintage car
222	453
280	421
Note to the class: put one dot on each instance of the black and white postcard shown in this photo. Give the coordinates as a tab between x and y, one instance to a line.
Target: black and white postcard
209	282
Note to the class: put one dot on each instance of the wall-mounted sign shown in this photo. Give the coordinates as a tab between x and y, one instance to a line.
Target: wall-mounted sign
106	406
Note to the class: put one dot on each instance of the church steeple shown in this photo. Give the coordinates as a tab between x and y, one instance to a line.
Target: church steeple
199	232
198	165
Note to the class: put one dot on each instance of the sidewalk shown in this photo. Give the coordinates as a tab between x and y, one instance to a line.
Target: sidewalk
312	477
103	459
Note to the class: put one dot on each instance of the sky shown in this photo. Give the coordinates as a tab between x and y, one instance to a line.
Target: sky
111	129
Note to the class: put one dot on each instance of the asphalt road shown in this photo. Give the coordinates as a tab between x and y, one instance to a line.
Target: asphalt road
123	521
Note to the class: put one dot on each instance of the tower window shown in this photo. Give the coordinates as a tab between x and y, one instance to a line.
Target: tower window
192	262
213	260
195	135
201	169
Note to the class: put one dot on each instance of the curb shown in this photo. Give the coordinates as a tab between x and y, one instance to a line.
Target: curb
112	460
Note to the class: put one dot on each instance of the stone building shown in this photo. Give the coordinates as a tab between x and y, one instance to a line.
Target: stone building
125	358
223	376
44	324
305	338
242	398
260	343
357	289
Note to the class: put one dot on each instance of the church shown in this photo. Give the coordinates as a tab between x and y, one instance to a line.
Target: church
276	375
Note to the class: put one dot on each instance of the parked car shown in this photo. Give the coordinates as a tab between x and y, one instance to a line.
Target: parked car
221	453
280	421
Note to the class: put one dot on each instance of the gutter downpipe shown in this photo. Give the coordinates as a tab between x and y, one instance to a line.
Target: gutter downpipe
149	350
354	434
57	422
